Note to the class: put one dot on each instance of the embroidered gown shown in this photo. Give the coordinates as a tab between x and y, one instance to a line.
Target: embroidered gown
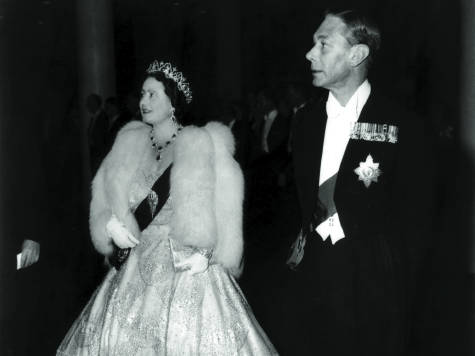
148	308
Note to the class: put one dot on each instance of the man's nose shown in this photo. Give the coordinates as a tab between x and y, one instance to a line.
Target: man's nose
310	55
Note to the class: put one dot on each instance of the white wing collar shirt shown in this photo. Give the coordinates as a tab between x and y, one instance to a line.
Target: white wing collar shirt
340	120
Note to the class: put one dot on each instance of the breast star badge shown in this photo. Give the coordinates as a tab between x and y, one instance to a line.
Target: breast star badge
368	171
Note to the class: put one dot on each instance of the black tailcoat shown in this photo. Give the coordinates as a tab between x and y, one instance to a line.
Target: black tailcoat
355	296
23	210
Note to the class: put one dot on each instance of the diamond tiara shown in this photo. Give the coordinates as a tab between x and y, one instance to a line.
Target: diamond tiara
172	73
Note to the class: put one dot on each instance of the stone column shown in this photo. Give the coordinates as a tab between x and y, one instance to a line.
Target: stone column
467	103
3	112
96	62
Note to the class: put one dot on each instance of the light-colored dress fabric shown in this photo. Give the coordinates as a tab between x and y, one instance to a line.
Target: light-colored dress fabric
149	308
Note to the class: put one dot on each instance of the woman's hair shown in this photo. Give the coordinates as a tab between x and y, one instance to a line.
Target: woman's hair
177	98
360	30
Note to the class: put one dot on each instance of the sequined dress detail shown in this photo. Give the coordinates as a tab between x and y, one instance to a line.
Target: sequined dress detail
148	308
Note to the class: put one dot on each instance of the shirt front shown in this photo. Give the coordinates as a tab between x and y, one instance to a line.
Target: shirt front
340	120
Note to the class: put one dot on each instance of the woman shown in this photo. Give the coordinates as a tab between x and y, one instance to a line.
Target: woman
170	198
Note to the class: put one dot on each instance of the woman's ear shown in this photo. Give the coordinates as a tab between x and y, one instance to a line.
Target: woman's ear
359	53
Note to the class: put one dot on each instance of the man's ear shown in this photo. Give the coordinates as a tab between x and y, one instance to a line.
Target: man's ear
359	53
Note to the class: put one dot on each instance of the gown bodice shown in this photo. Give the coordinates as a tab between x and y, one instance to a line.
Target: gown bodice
157	196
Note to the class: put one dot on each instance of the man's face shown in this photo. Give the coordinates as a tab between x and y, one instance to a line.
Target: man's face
330	56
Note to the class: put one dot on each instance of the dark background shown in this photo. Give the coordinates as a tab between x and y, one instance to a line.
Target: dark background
419	65
419	58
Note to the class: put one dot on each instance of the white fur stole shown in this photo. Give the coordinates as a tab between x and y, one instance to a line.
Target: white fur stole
206	188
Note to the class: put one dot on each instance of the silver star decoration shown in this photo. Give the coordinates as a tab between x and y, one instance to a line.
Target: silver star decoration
368	171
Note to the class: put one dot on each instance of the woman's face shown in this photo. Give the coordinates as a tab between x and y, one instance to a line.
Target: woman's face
155	105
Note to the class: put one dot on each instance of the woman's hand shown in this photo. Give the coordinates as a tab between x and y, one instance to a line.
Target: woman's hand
196	263
122	237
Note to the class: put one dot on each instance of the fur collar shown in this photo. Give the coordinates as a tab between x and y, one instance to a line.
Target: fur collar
206	187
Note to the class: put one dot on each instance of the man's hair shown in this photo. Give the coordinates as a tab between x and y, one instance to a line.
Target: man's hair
360	30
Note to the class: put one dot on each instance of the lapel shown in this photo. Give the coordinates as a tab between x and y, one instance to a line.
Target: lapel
357	151
368	114
308	144
315	135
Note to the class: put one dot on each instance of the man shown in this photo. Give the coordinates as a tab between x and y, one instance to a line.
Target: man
20	293
275	130
22	208
235	118
363	195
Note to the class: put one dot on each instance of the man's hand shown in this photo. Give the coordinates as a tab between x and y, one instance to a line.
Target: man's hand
122	237
30	253
196	263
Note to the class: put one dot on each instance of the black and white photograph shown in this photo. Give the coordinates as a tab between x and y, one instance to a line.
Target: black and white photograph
237	177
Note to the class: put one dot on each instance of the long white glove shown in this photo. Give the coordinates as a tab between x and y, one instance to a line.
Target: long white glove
196	263
121	236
